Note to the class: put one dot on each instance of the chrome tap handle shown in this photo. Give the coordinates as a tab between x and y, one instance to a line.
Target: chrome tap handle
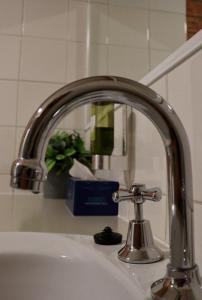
122	195
137	194
153	194
133	194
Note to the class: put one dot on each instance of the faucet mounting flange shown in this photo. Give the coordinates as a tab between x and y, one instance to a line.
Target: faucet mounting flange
178	284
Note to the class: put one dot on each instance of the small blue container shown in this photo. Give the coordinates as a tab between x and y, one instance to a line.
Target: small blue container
91	198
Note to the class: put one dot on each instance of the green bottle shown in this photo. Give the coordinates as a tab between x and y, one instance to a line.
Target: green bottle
102	128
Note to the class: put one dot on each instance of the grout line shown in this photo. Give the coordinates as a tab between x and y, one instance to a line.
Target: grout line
67	41
18	85
22	17
149	37
18	80
107	52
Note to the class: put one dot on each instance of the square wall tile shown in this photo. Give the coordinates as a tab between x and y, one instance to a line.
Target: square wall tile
8	96
178	6
11	16
7	148
31	96
128	62
167	30
88	22
84	60
128	26
47	18
9	57
43	60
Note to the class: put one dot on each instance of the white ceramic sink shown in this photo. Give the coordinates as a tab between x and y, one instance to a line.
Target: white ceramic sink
35	266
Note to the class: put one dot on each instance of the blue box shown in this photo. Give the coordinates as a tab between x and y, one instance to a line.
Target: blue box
91	197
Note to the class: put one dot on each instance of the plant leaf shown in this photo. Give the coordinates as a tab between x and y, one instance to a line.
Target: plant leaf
61	150
50	163
50	152
70	152
60	156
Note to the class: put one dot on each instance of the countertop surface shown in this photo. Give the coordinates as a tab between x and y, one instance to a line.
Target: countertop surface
143	275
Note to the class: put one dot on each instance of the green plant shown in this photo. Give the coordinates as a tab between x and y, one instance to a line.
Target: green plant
62	148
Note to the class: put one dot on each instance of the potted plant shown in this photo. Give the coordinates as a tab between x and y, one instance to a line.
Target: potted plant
62	149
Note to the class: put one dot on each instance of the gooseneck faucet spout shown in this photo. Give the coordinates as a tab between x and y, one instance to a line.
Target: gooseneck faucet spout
182	279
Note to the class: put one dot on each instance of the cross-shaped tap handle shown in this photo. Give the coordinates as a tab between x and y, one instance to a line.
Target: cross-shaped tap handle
137	194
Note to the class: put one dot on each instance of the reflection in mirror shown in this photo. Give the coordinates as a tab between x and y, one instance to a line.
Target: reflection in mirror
116	164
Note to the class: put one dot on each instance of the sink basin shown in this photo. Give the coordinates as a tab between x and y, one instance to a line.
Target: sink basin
37	266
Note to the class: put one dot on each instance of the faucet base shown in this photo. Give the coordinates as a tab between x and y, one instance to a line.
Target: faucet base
140	247
178	285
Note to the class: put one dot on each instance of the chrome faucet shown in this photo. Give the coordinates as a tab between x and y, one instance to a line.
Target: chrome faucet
182	280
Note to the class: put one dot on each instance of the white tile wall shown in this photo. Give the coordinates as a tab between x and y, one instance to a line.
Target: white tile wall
43	60
28	214
8	96
11	16
31	95
9	57
7	213
45	44
182	88
5	184
7	138
47	18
